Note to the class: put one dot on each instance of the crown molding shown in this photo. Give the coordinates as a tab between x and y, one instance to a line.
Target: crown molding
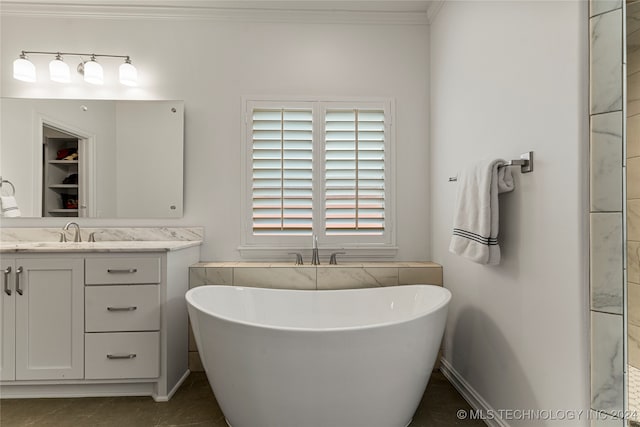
433	9
200	11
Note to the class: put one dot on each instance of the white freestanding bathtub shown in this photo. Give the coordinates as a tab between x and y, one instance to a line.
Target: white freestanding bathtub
343	358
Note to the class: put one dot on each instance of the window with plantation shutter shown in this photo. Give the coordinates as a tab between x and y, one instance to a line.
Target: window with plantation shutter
282	154
317	168
354	172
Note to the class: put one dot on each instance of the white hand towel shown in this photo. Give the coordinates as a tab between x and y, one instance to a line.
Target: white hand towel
9	206
476	218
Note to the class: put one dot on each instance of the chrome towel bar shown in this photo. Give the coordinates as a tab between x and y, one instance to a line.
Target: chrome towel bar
525	162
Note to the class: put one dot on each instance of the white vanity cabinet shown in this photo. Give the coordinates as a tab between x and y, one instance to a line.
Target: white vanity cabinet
42	318
122	324
107	322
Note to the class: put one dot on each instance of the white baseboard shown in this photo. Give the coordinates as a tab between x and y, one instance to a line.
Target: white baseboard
35	389
473	398
38	391
175	388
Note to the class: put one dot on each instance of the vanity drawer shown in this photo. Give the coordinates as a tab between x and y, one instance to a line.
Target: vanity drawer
113	270
122	308
122	355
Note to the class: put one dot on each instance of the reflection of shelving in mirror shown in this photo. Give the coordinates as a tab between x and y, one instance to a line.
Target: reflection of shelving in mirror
63	211
61	160
63	186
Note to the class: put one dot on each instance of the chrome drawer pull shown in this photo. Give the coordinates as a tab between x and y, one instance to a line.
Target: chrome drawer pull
18	273
121	356
124	270
132	308
6	272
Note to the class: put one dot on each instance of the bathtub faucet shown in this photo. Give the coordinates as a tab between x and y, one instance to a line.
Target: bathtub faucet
333	260
298	257
315	259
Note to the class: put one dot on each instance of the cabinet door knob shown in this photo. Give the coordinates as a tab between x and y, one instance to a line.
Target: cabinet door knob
6	272
18	272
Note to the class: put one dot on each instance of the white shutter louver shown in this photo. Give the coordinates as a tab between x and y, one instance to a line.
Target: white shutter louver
282	157
354	172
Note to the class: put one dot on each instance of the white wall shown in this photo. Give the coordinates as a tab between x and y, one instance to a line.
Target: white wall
210	64
506	78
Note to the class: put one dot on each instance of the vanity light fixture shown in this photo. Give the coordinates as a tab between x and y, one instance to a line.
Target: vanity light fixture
23	69
91	70
59	70
128	73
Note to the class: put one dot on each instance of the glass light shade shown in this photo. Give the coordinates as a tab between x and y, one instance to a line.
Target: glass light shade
24	70
93	73
59	71
128	74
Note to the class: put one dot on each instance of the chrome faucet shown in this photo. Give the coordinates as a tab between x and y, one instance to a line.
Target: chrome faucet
298	257
315	258
76	237
333	260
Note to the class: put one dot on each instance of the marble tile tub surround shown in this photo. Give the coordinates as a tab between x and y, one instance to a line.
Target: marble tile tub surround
105	234
311	277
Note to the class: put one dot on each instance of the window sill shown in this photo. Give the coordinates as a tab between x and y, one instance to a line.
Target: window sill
353	253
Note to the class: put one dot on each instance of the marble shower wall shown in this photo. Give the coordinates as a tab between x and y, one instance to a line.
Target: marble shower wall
606	207
633	182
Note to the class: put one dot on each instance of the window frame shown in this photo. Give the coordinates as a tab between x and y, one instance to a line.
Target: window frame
277	246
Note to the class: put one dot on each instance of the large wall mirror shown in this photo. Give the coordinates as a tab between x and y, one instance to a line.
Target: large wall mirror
93	158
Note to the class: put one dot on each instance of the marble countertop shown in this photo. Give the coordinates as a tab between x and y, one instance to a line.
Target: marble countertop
106	246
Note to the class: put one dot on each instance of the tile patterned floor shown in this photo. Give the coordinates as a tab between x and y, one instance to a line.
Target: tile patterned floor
194	406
